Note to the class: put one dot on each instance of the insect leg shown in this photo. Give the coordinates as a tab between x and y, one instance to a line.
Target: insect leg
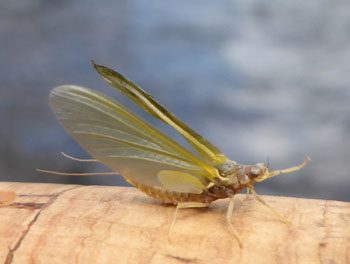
229	213
262	201
289	170
182	206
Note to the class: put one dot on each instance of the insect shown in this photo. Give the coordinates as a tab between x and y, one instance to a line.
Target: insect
148	159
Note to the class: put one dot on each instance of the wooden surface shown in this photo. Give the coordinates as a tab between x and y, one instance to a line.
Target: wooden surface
48	223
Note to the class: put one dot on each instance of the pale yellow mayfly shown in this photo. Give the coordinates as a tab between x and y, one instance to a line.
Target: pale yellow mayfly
147	158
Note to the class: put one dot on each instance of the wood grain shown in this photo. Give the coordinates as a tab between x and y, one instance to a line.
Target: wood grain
51	223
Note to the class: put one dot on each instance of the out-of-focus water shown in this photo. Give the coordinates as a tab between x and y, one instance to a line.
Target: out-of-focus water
257	79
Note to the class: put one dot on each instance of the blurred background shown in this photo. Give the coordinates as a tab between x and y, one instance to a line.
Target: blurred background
258	79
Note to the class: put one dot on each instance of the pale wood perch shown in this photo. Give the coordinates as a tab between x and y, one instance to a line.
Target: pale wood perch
51	223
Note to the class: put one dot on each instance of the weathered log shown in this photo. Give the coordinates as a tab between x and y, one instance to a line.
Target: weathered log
51	223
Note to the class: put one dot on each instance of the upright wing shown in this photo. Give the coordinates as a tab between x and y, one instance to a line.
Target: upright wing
124	142
211	154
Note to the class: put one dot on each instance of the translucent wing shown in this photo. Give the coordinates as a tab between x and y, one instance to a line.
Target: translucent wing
180	181
205	149
120	140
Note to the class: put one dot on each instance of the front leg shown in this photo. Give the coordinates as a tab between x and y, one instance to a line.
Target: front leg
262	201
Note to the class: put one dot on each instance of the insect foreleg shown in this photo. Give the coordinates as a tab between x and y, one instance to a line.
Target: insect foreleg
262	201
182	206
229	213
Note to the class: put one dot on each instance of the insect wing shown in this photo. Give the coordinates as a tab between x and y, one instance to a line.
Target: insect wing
211	154
180	181
120	140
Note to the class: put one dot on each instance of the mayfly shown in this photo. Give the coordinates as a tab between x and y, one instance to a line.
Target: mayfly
147	158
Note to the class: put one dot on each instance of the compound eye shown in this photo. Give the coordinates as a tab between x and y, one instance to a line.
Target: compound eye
255	170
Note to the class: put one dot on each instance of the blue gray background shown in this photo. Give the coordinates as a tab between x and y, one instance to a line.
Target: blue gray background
256	78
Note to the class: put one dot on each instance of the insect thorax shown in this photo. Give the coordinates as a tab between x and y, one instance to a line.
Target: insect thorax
233	175
237	176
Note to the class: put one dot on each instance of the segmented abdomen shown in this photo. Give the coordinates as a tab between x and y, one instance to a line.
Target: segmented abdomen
173	197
